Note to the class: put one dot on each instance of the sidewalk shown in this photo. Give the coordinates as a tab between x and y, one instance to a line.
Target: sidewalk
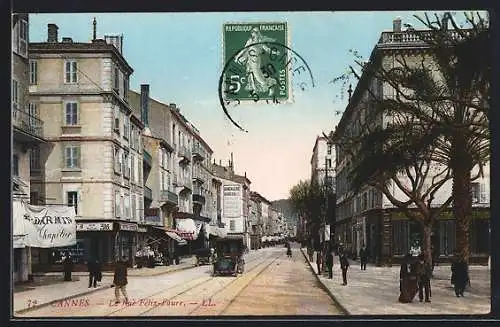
50	288
375	291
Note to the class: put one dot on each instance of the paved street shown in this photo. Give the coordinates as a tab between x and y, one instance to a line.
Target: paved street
375	291
272	284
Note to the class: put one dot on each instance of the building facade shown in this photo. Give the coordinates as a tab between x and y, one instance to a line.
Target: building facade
323	162
81	91
28	138
368	217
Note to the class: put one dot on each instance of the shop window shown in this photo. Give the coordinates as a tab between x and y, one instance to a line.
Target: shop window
232	225
400	237
447	237
480	236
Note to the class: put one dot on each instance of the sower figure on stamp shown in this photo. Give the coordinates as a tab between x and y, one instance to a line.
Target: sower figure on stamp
120	279
363	257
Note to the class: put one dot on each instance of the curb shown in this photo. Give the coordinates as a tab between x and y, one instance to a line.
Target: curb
43	305
325	288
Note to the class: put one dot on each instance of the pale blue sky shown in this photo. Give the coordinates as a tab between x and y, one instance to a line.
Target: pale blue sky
180	56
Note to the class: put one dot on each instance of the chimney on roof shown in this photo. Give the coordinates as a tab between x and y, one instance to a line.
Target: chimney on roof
67	40
52	33
145	104
94	34
396	25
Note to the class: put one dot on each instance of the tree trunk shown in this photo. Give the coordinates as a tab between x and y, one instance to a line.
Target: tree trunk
462	199
427	242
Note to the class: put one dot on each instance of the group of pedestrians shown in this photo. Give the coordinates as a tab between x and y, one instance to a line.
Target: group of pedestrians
328	263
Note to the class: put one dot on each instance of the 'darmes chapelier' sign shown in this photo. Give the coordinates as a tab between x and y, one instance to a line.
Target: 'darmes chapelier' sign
46	227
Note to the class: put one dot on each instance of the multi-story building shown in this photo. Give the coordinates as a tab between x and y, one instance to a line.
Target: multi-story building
81	92
235	200
28	141
323	162
160	196
258	215
368	217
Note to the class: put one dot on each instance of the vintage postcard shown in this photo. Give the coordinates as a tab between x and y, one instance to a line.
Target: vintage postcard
250	164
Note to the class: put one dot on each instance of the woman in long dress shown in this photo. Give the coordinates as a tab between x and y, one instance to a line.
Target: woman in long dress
408	284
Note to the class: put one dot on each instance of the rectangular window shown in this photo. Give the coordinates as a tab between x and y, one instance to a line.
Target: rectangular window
162	181
23	38
134	213
117	204
116	86
34	196
125	164
15	165
35	159
480	236
232	225
72	156
446	237
400	237
15	97
329	163
34	114
483	196
127	206
132	164
70	69
126	132
125	88
117	160
33	72
72	198
71	113
329	149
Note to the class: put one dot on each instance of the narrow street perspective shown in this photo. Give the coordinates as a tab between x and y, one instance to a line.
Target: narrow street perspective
265	289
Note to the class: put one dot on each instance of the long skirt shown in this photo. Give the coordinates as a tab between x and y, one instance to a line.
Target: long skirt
409	288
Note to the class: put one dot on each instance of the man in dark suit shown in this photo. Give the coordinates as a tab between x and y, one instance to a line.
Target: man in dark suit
120	279
363	257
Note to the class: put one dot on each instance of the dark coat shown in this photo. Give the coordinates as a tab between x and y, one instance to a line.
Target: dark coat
68	264
120	276
459	273
329	260
344	263
363	254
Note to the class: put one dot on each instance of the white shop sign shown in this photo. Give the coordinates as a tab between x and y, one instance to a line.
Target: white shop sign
142	229
99	227
128	227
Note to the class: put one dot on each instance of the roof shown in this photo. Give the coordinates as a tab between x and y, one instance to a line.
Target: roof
79	47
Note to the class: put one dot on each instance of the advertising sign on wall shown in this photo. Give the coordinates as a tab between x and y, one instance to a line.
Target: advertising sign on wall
232	201
45	226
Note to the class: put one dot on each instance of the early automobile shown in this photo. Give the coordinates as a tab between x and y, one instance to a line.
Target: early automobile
230	251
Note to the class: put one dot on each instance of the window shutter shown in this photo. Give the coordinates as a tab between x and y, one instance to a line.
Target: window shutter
74	72
77	157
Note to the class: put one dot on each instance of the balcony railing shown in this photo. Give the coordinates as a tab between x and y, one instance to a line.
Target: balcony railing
170	197
414	37
148	194
199	199
197	152
184	154
27	123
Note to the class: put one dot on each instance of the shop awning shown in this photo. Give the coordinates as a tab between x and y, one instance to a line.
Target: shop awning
217	231
188	229
176	237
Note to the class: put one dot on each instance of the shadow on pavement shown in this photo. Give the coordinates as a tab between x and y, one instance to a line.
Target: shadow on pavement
43	281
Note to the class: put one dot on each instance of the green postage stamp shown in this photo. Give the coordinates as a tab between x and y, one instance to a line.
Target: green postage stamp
256	62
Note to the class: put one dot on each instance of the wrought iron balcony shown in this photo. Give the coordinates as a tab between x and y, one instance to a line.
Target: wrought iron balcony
169	197
198	199
30	126
197	177
198	152
148	194
184	155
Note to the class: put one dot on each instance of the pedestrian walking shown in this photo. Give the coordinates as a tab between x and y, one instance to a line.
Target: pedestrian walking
98	267
319	261
424	272
329	264
67	267
344	265
363	257
288	250
459	276
120	279
310	253
92	269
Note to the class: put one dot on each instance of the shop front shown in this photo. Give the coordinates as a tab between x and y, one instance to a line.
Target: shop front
189	230
126	241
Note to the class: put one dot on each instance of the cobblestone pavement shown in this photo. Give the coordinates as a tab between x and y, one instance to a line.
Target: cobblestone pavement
375	291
